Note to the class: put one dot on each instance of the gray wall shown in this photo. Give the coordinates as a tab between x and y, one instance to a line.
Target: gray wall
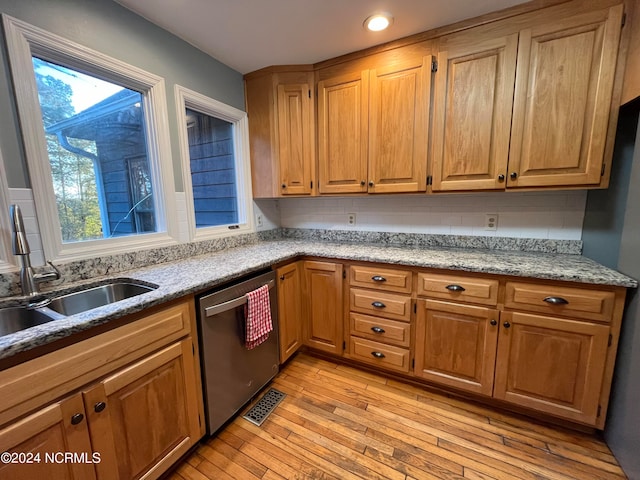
105	26
612	236
604	212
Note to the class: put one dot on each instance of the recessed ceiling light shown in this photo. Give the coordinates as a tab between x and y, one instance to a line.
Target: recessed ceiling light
378	21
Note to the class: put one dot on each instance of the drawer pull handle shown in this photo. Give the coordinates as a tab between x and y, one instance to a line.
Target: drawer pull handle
556	301
455	288
377	329
100	406
378	278
378	354
378	304
77	418
493	322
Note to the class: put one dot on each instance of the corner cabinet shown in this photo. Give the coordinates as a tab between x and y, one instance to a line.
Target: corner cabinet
529	108
280	108
137	410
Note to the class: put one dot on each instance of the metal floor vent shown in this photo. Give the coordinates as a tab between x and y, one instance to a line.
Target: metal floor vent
261	410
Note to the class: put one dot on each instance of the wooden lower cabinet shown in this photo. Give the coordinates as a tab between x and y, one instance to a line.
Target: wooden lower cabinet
133	420
145	417
323	307
551	364
456	345
42	436
289	310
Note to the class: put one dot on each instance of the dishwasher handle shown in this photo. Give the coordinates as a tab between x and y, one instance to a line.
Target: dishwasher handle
230	304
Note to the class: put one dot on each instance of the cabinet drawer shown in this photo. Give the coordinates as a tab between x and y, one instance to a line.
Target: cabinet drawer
560	300
383	304
376	353
380	329
381	279
459	288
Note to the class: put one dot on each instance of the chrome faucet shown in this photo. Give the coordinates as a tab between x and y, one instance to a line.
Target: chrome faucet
29	280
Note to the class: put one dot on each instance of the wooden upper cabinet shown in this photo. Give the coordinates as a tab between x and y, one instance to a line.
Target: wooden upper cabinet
280	108
563	95
343	124
472	112
295	134
398	127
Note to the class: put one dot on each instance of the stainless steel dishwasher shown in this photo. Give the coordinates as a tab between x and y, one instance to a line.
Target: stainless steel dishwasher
232	375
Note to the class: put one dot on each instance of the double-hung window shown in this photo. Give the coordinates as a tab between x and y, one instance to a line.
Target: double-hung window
96	141
215	165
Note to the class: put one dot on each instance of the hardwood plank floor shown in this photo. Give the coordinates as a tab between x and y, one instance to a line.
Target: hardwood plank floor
338	422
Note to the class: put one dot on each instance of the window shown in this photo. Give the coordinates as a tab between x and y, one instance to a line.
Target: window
6	256
213	141
96	144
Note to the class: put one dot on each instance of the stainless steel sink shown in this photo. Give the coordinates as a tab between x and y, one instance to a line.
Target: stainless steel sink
15	319
84	300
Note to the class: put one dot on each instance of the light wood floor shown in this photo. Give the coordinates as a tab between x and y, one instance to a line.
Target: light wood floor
340	423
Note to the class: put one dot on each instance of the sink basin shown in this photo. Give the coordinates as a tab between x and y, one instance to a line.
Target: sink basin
15	319
84	300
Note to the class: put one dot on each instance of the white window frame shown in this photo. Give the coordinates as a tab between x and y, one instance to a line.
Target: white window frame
186	98
25	40
7	259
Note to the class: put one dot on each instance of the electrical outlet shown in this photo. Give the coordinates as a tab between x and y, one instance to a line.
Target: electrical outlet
351	219
259	220
491	221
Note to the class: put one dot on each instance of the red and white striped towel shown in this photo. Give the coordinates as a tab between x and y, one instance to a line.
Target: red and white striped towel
258	317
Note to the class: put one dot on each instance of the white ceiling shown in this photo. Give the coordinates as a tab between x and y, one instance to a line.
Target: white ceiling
251	34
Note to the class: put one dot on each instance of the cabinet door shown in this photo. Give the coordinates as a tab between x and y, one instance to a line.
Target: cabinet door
562	100
456	345
552	365
472	113
55	429
289	310
295	136
343	126
398	128
150	415
323	306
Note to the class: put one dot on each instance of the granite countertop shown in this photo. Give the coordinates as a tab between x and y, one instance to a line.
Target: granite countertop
196	274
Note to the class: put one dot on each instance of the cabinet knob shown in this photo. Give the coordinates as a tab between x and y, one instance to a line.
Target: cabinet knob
493	322
378	354
377	330
100	406
378	304
371	184
284	185
501	178
513	175
506	324
455	288
281	277
378	278
556	301
77	418
362	183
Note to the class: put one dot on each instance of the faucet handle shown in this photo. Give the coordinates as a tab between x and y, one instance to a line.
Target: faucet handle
49	276
56	272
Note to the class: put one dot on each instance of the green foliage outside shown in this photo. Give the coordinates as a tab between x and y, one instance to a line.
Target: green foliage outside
74	180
